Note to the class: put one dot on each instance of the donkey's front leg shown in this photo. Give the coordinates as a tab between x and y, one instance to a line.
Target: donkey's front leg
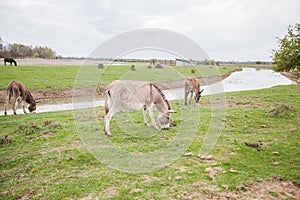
107	118
15	107
151	114
23	106
186	93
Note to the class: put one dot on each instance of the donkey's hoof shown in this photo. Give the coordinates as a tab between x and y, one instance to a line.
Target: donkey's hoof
108	133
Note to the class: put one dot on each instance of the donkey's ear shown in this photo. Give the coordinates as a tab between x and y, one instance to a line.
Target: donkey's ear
171	111
201	91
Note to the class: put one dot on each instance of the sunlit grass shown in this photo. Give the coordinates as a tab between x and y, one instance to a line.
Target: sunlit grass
43	157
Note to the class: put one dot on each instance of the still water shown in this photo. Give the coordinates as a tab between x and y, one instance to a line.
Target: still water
247	79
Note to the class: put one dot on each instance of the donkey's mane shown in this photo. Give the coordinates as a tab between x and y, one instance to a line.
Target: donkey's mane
162	95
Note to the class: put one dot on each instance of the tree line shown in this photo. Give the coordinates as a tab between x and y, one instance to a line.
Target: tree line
16	50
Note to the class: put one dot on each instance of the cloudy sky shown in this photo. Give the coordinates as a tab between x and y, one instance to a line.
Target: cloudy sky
239	30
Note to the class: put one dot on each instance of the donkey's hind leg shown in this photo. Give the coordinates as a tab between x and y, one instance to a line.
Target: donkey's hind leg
191	97
145	115
15	104
6	105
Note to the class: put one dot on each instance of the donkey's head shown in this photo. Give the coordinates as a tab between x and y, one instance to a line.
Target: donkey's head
198	95
164	119
32	107
31	101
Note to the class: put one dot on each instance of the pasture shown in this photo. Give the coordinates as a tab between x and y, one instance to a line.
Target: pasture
43	157
58	78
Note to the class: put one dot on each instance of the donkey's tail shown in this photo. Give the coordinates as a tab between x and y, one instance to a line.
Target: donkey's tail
9	93
107	100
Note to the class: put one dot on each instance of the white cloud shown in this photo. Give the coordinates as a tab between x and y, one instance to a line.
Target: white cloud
227	30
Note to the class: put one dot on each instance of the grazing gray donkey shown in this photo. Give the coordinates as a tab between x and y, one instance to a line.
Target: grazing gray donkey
126	95
17	93
191	85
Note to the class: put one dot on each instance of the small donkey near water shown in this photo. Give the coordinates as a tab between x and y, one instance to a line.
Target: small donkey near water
17	93
126	95
191	86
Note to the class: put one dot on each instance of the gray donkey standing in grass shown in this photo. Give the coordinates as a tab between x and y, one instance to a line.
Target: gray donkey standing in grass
127	95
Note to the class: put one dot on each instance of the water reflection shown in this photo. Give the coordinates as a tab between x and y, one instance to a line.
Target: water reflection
247	79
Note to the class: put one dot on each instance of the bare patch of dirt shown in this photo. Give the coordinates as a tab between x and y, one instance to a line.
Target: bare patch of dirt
149	179
282	109
5	140
110	192
234	102
291	76
212	172
273	188
243	102
61	96
136	190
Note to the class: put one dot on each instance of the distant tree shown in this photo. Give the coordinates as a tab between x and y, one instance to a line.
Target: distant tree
287	56
16	50
1	44
2	49
43	52
258	62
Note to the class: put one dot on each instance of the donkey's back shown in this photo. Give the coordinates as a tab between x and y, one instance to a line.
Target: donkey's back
124	95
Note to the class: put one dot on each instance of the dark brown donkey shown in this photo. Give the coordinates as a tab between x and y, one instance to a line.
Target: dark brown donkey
10	60
17	93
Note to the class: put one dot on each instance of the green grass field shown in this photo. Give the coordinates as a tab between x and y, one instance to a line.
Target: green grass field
58	78
42	155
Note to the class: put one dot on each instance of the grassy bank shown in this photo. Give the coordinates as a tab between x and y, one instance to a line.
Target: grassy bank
58	78
42	156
